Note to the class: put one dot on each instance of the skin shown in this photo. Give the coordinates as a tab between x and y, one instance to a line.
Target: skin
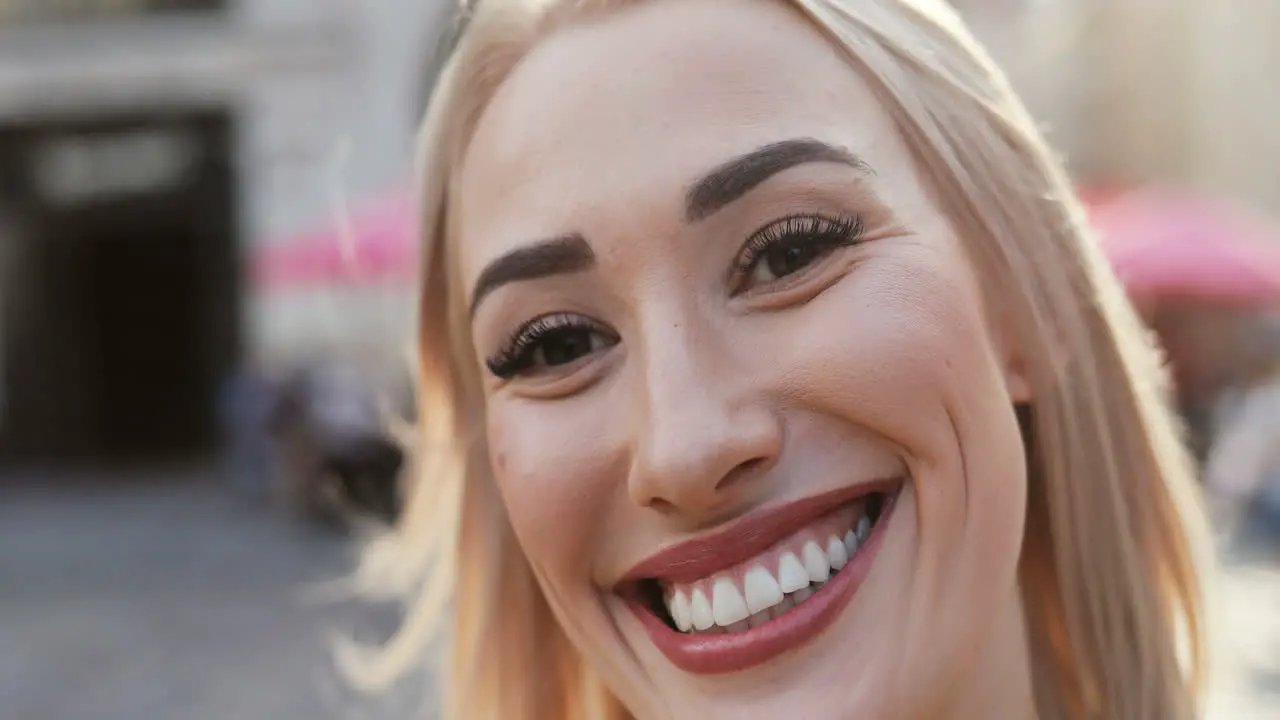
704	402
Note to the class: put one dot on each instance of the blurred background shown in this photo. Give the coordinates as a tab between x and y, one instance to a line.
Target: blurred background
206	302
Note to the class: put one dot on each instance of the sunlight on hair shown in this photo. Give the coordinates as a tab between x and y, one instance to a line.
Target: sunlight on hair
1116	548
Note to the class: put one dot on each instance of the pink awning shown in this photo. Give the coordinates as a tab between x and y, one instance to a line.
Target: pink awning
1165	244
378	242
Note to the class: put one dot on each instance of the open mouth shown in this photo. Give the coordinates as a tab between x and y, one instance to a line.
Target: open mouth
739	598
773	585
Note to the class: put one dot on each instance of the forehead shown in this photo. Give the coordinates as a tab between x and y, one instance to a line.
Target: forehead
621	113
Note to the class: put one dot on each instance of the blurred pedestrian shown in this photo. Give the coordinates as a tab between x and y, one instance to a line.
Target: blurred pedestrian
339	462
248	400
1242	468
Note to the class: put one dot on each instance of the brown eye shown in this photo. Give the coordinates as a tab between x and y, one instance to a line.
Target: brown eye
788	246
550	342
783	260
565	346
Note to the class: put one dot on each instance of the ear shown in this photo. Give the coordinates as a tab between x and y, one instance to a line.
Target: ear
1016	380
1008	346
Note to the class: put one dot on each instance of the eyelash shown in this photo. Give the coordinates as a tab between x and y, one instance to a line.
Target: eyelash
818	233
516	355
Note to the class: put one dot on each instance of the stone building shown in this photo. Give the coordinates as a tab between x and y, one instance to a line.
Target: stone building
147	148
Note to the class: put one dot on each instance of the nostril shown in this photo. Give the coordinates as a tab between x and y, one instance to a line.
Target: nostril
662	505
743	471
681	470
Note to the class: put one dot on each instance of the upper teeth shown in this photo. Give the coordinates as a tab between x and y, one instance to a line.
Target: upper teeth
767	590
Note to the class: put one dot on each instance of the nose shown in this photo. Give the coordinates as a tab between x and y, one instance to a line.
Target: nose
707	429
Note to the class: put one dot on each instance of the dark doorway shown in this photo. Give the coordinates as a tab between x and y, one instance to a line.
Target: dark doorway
122	317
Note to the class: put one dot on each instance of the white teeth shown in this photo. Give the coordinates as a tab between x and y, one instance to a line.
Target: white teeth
727	605
763	596
762	590
816	562
680	610
700	611
791	573
835	550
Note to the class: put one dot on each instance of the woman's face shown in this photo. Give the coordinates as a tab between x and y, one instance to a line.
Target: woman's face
746	410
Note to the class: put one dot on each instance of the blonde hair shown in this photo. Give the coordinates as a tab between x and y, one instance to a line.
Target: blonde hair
1115	543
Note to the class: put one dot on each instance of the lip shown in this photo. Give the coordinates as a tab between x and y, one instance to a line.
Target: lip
698	558
732	652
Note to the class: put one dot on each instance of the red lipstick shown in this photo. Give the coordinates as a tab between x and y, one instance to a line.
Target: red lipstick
705	653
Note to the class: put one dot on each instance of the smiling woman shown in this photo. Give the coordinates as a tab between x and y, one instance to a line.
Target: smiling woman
768	371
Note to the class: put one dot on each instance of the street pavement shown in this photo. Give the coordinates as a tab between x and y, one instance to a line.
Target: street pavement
173	597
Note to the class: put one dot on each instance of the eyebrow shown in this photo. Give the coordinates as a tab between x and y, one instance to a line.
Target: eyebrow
738	176
564	254
722	186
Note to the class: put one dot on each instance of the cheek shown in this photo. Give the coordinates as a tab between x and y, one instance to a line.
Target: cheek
551	484
914	362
